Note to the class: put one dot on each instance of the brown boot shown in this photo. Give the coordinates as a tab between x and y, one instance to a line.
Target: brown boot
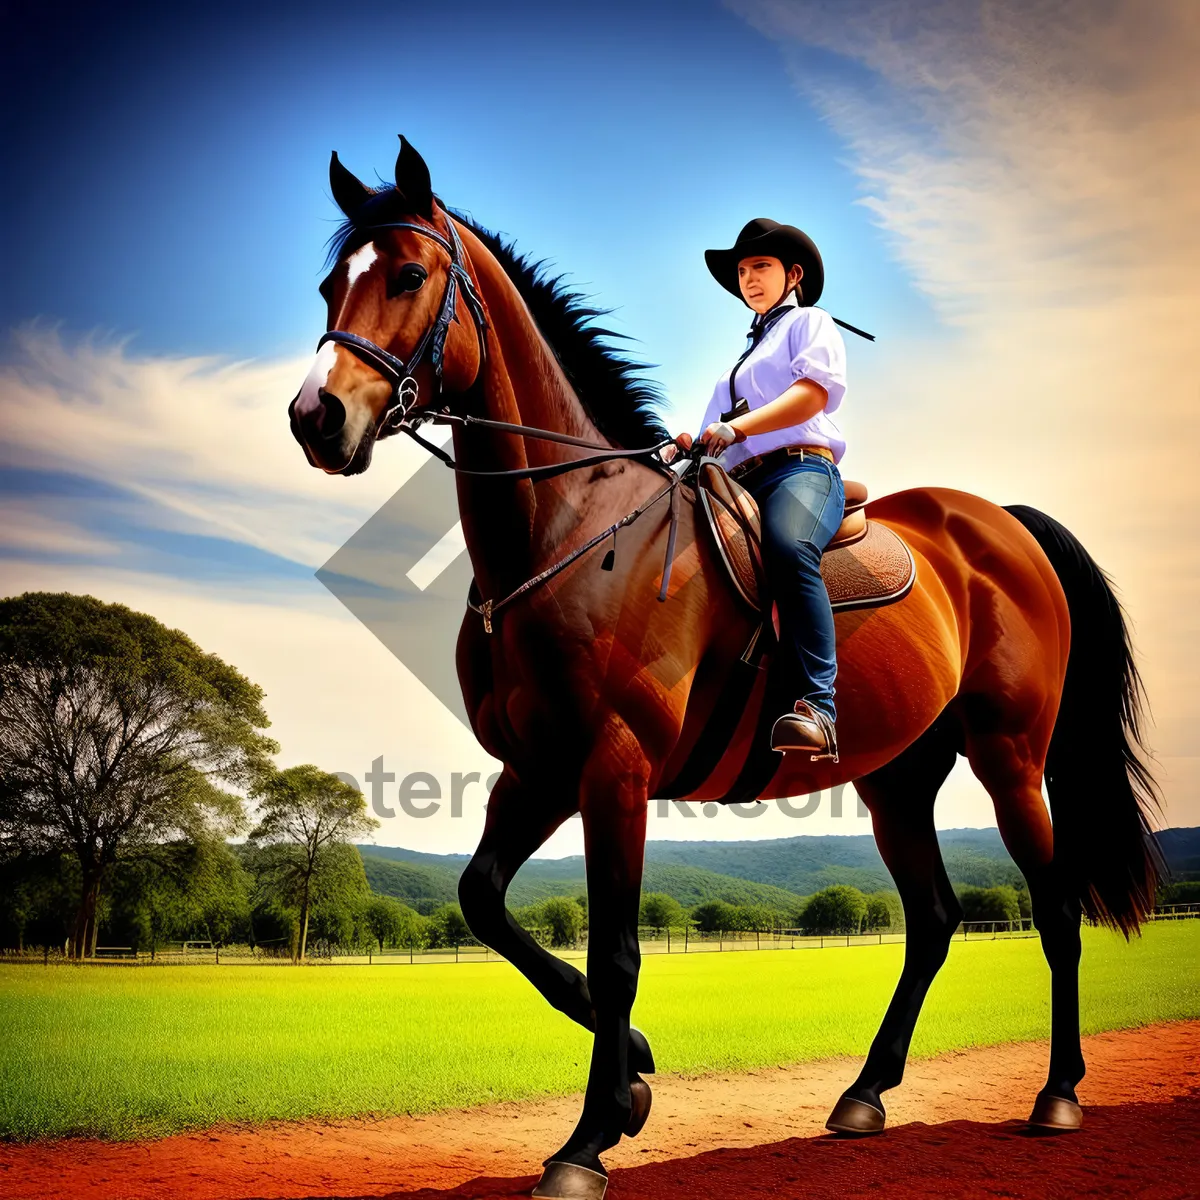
807	730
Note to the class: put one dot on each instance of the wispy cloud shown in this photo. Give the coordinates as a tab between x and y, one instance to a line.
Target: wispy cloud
191	445
1032	165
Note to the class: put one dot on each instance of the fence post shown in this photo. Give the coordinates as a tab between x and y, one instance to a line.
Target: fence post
685	939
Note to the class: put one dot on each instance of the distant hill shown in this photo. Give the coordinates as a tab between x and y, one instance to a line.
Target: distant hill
1181	848
425	885
776	872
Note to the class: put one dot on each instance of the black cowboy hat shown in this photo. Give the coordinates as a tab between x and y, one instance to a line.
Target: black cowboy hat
784	242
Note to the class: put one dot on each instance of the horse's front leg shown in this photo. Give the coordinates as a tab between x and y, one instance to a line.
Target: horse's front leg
613	803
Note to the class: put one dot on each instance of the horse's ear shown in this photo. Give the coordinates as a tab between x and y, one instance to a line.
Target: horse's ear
412	180
349	192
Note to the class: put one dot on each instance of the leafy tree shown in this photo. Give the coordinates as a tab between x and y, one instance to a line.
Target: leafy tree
339	906
564	919
116	731
385	919
884	912
714	916
180	891
39	895
308	815
989	904
1186	891
448	927
755	918
660	911
837	909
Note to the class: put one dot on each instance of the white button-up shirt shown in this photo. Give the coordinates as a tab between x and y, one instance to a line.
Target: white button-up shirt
803	343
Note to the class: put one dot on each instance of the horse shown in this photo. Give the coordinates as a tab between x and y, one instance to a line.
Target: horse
596	687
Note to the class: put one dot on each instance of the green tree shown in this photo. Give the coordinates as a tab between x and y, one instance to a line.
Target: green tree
660	911
39	895
714	916
307	814
989	904
755	918
837	909
385	919
448	927
116	731
563	918
884	912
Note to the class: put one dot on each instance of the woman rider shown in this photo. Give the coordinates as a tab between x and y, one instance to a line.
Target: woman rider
770	417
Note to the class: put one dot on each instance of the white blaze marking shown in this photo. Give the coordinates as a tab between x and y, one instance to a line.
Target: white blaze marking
438	557
314	381
359	263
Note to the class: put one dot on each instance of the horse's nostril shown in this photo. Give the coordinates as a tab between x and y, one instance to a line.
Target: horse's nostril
332	415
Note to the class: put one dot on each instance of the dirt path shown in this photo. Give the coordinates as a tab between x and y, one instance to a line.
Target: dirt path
955	1129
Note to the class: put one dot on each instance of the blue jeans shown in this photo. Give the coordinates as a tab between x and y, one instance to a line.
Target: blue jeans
801	501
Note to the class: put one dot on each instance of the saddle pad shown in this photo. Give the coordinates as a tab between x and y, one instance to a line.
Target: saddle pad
874	567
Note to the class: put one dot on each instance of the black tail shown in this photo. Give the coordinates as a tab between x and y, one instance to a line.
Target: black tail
1101	792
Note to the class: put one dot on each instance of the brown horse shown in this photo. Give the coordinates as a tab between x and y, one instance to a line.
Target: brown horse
1010	649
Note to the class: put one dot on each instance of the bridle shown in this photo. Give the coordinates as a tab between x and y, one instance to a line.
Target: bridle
399	416
398	373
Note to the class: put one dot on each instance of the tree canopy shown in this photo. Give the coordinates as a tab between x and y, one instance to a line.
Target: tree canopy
307	816
116	731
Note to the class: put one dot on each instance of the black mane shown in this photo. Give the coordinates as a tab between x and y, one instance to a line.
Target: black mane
621	403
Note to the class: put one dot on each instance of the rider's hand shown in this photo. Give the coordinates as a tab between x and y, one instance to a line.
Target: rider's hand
719	435
682	442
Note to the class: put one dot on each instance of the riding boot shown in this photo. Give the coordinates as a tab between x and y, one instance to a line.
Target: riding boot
805	729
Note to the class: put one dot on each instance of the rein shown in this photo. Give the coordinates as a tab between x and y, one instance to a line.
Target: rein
488	608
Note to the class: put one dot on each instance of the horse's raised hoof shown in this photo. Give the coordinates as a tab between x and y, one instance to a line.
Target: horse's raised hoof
641	1061
565	1181
1056	1113
640	1098
855	1117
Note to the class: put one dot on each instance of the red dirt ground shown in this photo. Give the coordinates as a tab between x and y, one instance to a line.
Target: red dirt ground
955	1129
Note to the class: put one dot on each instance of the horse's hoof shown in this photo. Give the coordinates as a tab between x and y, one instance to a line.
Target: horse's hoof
1057	1113
640	1097
641	1061
855	1117
565	1181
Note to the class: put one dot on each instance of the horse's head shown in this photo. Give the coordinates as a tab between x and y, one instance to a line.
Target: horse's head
405	323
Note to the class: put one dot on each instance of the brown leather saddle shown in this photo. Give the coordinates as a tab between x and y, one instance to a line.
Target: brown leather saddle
865	565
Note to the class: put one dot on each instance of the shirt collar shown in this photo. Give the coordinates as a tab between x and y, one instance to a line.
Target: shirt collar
763	321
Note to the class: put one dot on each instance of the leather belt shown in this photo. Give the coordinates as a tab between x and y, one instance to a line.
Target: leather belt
773	457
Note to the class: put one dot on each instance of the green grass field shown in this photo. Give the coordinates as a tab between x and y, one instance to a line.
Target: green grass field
122	1053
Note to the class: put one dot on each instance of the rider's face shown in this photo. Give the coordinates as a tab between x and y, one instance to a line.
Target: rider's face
762	280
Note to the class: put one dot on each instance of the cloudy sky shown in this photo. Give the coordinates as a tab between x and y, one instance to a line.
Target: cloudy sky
1005	193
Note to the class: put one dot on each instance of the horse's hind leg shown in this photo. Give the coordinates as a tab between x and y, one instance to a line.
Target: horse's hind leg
900	797
519	820
1013	779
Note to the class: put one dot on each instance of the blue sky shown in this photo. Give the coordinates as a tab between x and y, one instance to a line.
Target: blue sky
173	165
1001	192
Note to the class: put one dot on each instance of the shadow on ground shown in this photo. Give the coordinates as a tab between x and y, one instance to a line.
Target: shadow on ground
1150	1151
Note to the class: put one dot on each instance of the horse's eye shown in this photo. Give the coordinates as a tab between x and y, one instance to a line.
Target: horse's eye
410	277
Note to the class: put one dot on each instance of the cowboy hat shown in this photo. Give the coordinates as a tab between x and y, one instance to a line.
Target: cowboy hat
767	237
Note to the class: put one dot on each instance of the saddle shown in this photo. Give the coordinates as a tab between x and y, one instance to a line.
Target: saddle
865	565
